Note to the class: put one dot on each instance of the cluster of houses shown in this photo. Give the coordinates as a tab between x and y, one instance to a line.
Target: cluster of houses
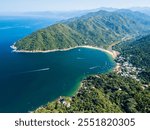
126	69
64	101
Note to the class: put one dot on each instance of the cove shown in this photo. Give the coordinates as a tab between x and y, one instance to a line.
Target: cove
29	80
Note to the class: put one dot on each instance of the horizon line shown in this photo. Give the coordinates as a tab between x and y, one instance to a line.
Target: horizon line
59	11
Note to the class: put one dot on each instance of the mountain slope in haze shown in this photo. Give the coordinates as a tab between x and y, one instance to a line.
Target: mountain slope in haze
145	10
141	19
96	29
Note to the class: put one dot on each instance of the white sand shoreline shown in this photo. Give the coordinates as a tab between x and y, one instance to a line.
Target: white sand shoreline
113	53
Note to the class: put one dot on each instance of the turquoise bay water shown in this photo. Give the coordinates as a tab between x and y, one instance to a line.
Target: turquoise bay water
29	80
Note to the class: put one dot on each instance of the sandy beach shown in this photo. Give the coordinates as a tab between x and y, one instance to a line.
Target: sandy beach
113	53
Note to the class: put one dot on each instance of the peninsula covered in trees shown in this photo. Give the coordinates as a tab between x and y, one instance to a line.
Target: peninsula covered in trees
99	29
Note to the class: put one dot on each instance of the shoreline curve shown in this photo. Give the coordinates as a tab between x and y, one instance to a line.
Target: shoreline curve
113	53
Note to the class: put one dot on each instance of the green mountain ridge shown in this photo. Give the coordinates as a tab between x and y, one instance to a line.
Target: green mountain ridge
96	29
44	39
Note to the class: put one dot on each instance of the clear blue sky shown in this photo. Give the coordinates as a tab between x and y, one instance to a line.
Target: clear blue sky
51	5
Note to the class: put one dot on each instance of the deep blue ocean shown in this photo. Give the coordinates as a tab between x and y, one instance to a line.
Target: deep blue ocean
29	80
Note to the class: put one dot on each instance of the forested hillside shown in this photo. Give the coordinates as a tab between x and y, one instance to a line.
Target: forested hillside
137	52
97	29
104	93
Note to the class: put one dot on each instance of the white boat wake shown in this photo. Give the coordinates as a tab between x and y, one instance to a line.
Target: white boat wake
94	67
79	58
39	70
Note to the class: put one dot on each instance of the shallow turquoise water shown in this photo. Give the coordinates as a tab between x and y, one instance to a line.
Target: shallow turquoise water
29	80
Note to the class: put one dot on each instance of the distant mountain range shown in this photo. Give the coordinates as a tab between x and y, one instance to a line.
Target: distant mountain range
96	29
145	10
70	14
55	14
